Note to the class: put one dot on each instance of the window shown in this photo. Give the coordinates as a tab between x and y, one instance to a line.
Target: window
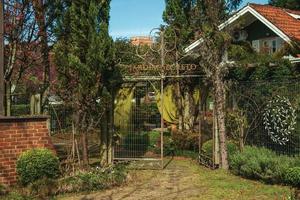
267	45
255	45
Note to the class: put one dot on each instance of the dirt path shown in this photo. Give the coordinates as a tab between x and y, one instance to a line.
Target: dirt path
183	179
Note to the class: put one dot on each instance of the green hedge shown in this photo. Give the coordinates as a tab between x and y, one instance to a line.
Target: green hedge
207	148
292	176
36	164
261	164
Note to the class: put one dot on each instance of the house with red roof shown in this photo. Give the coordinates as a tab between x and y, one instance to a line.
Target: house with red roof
267	28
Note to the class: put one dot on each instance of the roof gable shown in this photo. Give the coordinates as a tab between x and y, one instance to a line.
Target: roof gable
280	21
281	18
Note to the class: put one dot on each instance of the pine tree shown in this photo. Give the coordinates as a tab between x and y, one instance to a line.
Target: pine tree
84	57
178	17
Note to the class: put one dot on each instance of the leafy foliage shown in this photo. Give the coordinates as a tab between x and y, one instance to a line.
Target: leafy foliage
290	4
85	59
44	188
207	148
261	164
95	179
3	190
37	164
84	53
258	67
236	121
292	176
23	33
17	196
256	81
186	140
185	16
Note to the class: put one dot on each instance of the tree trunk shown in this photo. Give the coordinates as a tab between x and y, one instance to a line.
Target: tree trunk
110	132
8	76
200	130
8	98
41	21
219	90
85	153
104	139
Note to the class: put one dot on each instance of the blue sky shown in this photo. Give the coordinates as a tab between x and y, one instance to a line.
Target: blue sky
138	17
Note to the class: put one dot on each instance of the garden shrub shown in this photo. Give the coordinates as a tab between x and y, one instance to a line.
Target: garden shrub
260	164
17	196
292	176
3	190
154	138
186	140
43	188
169	147
95	179
36	164
207	148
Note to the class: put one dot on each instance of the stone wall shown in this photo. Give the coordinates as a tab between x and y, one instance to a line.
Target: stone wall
18	134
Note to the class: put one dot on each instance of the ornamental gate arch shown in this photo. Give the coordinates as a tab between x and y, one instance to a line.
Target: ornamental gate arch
145	113
146	105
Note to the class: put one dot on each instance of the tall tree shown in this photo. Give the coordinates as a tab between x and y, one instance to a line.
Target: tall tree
84	56
213	53
178	16
29	27
290	4
47	12
20	41
203	18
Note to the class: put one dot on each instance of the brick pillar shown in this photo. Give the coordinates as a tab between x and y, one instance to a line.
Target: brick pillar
18	134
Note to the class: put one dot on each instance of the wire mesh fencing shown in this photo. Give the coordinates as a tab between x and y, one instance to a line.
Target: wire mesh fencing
266	114
271	110
137	122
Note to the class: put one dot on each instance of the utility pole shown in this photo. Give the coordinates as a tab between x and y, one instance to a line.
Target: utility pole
1	58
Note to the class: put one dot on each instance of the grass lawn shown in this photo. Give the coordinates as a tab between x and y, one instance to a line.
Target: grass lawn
183	179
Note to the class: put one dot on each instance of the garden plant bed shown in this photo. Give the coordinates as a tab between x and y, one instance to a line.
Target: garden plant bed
184	179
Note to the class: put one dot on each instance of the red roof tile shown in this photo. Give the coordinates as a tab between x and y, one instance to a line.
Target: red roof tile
281	19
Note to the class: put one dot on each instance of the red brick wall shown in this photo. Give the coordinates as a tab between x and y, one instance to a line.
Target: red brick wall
18	135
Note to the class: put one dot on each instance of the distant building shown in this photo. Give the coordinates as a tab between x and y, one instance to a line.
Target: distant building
141	40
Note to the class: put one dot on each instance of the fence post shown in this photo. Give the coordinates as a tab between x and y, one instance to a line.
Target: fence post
35	108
